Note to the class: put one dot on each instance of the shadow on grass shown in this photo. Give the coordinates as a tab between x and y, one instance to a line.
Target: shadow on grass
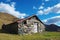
3	31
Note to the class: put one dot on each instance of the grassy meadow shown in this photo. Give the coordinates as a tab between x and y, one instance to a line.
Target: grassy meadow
37	36
6	18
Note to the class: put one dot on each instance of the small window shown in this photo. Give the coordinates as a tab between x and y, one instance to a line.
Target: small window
25	22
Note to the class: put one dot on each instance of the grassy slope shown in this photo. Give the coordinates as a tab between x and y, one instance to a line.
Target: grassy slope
43	36
6	18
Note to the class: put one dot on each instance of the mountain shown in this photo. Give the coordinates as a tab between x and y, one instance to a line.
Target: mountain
6	18
52	27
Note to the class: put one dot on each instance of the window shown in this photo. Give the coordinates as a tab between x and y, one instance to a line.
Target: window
25	22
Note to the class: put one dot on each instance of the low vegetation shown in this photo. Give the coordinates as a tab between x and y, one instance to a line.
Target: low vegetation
37	36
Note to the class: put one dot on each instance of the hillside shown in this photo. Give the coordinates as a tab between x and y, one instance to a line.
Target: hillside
52	27
6	18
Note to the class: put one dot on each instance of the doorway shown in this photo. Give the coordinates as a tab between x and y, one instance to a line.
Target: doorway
35	27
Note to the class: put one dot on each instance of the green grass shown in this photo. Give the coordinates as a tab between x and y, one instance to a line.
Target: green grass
37	36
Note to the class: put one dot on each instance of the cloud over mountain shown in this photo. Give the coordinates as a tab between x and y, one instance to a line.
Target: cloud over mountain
53	20
10	8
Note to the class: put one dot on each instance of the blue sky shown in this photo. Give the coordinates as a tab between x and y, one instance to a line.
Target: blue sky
48	11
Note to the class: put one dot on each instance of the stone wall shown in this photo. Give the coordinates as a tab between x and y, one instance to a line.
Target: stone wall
30	25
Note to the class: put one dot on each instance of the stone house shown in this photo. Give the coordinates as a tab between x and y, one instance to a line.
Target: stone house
31	24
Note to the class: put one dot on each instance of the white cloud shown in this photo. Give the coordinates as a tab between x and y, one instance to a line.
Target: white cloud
58	5
46	0
58	23
43	3
53	9
10	9
12	4
40	12
52	20
44	11
34	7
41	7
58	11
